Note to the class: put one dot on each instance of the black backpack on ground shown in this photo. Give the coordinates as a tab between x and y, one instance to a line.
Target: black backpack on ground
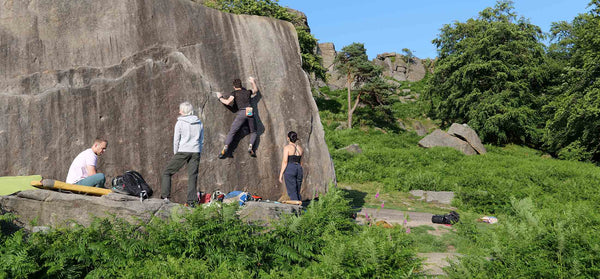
450	218
132	183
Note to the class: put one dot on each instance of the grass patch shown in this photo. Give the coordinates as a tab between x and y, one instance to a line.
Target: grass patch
548	209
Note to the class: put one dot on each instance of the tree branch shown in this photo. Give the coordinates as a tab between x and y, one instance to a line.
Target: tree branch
356	102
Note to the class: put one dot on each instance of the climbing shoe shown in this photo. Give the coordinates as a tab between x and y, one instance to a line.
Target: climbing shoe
251	151
223	153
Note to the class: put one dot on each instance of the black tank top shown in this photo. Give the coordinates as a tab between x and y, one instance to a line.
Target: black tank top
294	158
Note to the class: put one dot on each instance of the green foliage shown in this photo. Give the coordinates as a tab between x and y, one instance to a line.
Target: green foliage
213	243
575	124
481	183
270	8
557	241
311	62
491	73
575	151
547	208
408	55
353	63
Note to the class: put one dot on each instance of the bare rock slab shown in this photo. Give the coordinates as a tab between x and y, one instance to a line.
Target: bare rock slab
266	211
441	138
443	197
435	262
71	71
467	134
55	209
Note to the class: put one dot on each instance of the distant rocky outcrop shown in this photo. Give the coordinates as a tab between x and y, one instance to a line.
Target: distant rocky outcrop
74	70
401	67
334	79
301	20
463	139
327	52
395	66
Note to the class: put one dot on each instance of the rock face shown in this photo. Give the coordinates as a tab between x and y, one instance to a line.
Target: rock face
328	53
467	134
71	71
441	138
400	68
301	19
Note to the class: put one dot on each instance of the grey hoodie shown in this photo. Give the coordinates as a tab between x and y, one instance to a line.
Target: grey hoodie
189	134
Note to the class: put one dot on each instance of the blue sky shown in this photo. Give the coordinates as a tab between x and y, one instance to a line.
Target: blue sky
391	25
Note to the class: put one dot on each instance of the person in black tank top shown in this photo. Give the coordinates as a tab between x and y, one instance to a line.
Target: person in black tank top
291	167
241	97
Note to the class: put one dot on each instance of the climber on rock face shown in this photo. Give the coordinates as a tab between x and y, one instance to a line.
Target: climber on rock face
240	97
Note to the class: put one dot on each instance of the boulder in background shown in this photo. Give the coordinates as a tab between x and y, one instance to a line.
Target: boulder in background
467	134
441	138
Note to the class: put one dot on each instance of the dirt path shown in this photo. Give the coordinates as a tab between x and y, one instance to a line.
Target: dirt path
433	262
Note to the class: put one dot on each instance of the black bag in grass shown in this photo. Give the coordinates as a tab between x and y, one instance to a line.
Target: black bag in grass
449	219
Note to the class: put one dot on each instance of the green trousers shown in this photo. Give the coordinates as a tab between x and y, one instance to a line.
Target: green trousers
176	163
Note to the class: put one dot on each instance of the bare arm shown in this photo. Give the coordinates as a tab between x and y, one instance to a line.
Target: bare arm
91	170
254	87
301	153
284	162
227	101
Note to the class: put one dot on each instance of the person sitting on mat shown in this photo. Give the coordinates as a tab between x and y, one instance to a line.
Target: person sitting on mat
83	169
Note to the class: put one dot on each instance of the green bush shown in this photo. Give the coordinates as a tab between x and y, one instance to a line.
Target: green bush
559	241
213	243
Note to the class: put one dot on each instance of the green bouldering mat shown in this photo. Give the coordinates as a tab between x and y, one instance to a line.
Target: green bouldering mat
12	184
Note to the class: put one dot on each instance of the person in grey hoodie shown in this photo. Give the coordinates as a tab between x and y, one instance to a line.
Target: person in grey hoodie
187	146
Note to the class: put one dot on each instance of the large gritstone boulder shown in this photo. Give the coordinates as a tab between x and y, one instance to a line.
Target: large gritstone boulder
441	138
71	71
467	134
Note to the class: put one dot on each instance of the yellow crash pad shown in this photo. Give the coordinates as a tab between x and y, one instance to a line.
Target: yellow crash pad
12	184
56	185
